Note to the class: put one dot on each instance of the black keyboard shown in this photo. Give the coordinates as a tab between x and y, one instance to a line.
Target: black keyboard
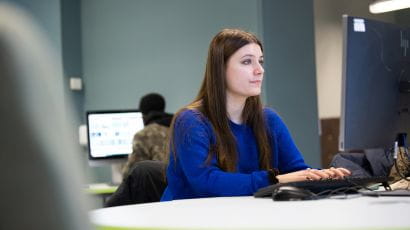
318	186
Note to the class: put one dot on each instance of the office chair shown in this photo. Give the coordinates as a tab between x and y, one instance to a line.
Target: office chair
144	183
39	175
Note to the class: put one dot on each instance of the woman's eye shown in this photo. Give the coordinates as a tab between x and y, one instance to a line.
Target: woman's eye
261	62
246	62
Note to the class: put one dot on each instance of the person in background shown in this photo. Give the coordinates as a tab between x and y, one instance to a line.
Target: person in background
143	174
225	143
150	143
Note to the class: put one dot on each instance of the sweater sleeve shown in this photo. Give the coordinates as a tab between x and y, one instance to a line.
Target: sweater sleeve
193	137
289	158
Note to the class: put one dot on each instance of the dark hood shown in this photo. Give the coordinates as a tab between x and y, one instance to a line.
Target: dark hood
160	118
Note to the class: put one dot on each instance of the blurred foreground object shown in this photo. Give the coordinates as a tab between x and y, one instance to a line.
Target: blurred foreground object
41	181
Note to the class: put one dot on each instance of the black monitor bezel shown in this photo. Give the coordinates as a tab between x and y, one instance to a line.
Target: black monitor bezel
397	123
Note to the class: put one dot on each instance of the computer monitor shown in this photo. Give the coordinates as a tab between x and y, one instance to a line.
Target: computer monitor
375	63
110	133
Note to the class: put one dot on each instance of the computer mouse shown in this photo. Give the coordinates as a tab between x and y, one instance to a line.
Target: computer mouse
291	193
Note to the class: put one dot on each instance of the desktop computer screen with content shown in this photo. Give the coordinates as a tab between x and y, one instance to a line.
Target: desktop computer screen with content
110	133
376	70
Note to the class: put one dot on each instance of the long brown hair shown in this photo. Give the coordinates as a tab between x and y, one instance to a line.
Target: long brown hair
211	102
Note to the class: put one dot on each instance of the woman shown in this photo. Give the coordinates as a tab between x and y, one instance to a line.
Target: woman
225	143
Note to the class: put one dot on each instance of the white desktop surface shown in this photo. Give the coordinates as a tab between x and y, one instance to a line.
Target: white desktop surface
260	213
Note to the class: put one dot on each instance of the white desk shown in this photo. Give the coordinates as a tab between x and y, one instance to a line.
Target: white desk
100	192
256	213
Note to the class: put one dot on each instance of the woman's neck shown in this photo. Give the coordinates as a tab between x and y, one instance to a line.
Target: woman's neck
234	107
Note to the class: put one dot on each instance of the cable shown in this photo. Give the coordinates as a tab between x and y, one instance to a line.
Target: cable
341	191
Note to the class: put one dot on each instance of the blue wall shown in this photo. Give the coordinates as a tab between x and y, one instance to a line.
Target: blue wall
72	52
291	73
131	48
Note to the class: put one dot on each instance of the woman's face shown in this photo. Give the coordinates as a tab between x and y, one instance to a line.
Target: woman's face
244	72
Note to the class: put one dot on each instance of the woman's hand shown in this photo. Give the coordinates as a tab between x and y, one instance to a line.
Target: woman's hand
313	174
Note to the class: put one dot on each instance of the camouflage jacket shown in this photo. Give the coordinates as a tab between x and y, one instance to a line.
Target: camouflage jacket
148	144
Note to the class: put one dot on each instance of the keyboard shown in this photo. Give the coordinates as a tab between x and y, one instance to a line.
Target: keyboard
319	186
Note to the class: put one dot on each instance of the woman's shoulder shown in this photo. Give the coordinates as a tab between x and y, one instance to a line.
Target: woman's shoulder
192	121
273	119
190	116
270	114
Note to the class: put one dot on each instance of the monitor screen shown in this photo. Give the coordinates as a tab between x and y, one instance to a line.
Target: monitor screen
375	61
110	133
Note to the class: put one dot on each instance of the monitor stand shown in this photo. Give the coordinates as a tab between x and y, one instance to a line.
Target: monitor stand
116	173
116	168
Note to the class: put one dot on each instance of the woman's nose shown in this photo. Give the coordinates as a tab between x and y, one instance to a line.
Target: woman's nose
259	69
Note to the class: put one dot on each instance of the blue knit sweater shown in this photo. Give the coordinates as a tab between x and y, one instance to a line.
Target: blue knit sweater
190	177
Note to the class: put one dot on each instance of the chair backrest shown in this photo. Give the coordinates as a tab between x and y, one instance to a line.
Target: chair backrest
40	177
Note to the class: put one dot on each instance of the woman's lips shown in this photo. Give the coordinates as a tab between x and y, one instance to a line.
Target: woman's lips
255	82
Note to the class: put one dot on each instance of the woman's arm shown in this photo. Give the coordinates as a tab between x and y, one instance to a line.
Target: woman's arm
286	156
290	161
